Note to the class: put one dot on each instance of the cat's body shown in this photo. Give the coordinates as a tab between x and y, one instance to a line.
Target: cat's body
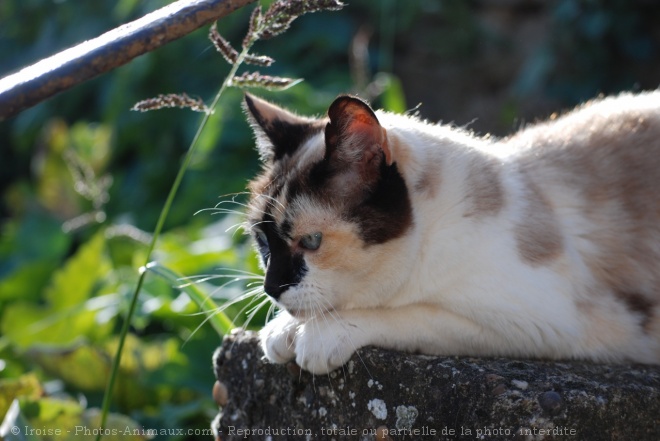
380	229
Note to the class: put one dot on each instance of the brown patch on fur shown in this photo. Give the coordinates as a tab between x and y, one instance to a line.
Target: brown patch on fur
612	165
400	153
639	304
428	182
604	330
337	252
652	326
538	236
484	188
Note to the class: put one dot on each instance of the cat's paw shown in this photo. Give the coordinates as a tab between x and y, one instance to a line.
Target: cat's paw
278	338
324	345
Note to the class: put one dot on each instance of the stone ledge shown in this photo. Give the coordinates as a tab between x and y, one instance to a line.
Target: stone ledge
387	395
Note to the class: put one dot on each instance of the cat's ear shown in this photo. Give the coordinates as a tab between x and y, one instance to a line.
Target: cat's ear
278	132
354	137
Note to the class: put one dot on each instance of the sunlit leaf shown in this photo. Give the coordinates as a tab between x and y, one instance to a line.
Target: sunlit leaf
27	281
83	367
55	419
25	386
27	324
70	312
74	283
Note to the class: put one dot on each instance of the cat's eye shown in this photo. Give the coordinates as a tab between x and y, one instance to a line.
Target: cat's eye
311	242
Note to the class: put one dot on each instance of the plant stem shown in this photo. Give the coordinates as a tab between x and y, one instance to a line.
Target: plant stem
159	227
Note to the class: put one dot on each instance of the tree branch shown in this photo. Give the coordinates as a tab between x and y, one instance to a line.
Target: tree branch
115	48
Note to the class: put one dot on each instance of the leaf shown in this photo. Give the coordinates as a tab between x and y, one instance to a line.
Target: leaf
26	324
70	313
84	367
54	419
25	386
149	373
74	283
27	281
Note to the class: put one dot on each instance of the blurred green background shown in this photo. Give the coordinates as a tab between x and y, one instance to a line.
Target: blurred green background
83	179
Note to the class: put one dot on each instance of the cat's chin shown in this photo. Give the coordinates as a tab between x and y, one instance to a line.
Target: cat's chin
305	314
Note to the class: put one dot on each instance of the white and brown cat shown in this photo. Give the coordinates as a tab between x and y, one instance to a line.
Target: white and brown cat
382	229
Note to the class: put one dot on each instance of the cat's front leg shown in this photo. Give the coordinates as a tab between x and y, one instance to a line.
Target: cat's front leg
278	338
327	342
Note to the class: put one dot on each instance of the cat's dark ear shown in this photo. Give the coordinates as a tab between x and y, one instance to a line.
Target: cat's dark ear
278	132
354	136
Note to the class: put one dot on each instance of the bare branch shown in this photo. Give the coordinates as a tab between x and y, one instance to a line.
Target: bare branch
115	48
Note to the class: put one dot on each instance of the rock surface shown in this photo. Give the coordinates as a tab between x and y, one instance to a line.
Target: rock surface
387	395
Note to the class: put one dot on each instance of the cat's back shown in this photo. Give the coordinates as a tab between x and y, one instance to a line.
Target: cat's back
605	153
595	128
597	170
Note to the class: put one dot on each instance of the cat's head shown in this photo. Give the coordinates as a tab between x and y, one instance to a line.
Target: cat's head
329	208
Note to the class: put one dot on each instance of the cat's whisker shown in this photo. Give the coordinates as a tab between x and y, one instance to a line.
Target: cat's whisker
238	276
333	314
234	195
280	208
249	273
261	222
319	306
208	317
243	275
270	198
227	304
249	304
271	312
253	312
241	204
237	227
216	210
208	277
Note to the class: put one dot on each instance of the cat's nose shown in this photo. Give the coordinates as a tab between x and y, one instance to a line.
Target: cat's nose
274	289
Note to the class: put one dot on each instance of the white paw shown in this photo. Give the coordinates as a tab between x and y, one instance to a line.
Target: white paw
278	338
324	345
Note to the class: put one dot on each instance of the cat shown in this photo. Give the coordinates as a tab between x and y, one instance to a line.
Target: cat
382	229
